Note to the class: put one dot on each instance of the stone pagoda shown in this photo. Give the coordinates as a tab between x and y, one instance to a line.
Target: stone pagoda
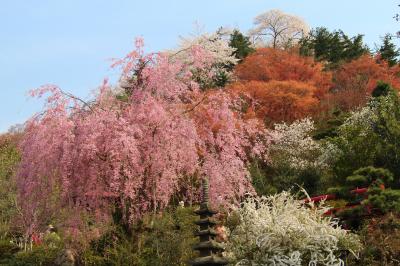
210	250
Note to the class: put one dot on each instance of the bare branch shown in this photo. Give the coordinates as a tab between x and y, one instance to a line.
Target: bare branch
194	106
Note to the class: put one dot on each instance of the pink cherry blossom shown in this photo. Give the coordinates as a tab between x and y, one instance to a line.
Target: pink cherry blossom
135	154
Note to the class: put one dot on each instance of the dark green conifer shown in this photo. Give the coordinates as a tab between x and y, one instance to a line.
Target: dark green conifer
241	43
388	51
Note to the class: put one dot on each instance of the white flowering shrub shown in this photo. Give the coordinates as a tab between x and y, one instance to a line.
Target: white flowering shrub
294	146
280	230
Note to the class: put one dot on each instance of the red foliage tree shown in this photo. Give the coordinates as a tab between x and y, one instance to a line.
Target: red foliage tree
268	64
354	81
278	101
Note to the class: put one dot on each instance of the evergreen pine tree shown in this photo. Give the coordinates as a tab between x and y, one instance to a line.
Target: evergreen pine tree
388	50
332	47
241	43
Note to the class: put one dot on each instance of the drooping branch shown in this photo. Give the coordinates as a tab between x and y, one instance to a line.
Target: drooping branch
70	95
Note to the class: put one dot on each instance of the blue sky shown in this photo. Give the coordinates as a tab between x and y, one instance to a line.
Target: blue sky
70	42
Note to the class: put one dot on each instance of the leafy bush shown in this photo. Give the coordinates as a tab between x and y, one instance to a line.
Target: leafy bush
9	158
370	136
385	200
7	250
41	255
165	239
381	240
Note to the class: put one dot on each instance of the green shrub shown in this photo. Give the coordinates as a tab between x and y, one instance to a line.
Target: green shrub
9	158
164	239
41	255
7	250
381	241
385	200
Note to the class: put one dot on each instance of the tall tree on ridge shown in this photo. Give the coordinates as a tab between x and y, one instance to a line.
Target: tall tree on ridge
332	47
388	50
278	29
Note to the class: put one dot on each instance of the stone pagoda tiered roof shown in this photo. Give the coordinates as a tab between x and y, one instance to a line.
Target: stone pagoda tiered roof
210	250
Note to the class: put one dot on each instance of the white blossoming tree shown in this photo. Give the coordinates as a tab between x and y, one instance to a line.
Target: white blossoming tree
277	29
293	145
293	158
280	230
215	47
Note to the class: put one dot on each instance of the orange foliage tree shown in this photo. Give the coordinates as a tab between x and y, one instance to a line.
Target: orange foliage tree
277	101
354	81
268	64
